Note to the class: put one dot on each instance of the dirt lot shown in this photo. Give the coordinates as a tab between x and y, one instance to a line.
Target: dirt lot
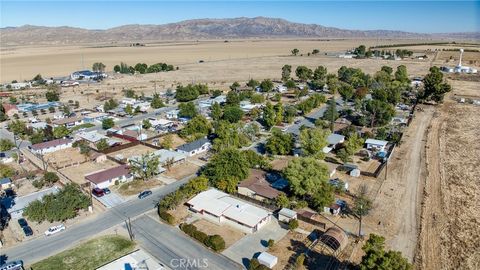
136	186
65	157
181	170
136	150
77	172
450	228
229	234
286	248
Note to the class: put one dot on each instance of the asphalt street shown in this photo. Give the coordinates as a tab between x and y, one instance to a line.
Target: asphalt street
175	249
42	247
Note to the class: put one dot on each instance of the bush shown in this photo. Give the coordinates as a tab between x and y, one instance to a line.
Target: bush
215	242
38	184
166	216
200	236
189	229
271	242
293	224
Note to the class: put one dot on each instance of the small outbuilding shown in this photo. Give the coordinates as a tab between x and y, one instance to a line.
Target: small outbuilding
335	238
5	183
377	145
267	259
285	215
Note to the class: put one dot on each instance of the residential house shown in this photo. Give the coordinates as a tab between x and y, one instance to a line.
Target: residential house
160	123
221	208
20	85
166	158
172	114
38	125
51	146
92	117
87	75
10	109
285	215
6	157
376	145
195	147
68	122
256	186
18	204
5	183
333	140
108	177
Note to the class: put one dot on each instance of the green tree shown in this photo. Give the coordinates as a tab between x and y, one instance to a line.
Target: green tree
233	114
354	143
110	105
266	86
17	127
52	95
146	124
145	167
376	258
286	71
282	201
232	98
279	143
312	141
401	74
107	123
346	91
253	83
187	110
331	114
234	86
156	102
228	164
141	68
360	50
320	73
380	113
167	141
307	176
186	93
6	171
128	109
50	177
61	132
303	73
278	113
295	51
6	144
257	99
196	128
229	136
102	145
216	111
116	68
98	67
269	117
434	87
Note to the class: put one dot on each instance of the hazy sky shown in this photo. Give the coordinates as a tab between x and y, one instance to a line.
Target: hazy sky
413	16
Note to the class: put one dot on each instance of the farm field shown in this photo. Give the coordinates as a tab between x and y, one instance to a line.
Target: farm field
449	238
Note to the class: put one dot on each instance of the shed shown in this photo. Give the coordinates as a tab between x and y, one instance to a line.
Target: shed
335	238
267	259
373	144
5	183
285	215
333	209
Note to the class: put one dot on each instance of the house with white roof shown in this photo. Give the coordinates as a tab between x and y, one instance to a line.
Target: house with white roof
377	145
221	208
196	147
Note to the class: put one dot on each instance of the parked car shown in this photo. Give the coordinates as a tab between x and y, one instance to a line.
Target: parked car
98	192
55	229
13	265
144	194
22	222
106	190
27	230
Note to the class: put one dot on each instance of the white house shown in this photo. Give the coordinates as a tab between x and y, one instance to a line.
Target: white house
20	85
221	208
172	114
377	145
195	147
281	88
128	101
68	122
108	177
51	146
160	123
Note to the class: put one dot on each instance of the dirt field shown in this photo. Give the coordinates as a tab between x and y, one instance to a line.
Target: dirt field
77	173
136	186
181	170
65	157
287	247
136	150
450	228
229	234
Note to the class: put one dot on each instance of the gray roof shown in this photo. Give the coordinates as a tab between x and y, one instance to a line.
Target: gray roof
287	212
335	138
22	202
188	147
5	180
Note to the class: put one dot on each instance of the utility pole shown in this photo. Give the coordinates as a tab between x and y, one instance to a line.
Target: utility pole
360	223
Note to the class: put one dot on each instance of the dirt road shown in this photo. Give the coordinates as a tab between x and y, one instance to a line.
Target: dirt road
396	207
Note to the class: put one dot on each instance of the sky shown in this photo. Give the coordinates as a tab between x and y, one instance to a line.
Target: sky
411	16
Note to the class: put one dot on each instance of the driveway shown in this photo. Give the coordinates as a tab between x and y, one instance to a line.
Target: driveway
245	248
111	200
171	246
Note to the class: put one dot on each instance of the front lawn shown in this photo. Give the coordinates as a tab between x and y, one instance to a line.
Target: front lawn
89	255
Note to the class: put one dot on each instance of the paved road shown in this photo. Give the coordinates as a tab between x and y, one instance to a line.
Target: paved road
37	249
5	134
169	245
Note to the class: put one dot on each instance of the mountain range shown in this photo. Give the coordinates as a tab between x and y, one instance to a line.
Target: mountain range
202	29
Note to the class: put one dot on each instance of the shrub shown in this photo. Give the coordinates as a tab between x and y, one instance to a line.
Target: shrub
215	242
293	224
299	261
166	216
189	229
38	184
200	236
271	242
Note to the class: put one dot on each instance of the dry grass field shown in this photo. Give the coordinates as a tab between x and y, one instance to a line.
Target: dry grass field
449	232
77	172
136	150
